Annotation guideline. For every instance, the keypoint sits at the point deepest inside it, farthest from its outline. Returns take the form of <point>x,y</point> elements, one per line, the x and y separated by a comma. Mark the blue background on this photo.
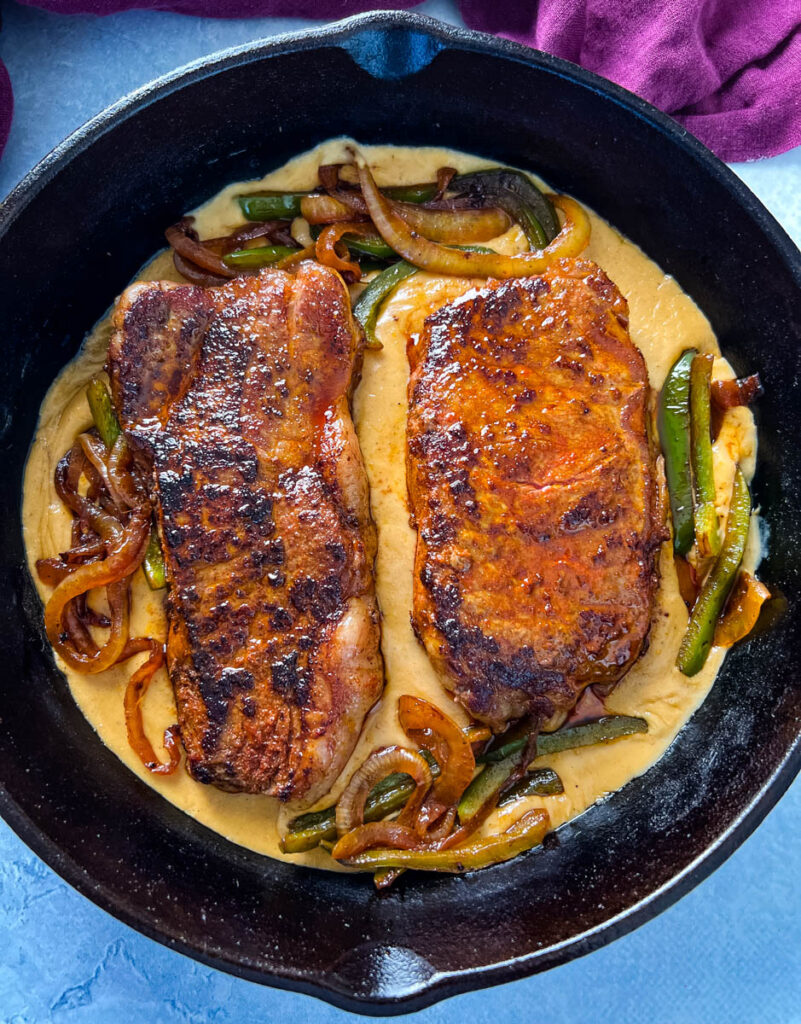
<point>729,951</point>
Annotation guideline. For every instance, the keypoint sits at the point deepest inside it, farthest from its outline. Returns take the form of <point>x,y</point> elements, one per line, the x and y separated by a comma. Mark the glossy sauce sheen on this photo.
<point>663,322</point>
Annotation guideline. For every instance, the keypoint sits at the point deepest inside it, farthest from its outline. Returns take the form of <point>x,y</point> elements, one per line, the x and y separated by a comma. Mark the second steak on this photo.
<point>532,488</point>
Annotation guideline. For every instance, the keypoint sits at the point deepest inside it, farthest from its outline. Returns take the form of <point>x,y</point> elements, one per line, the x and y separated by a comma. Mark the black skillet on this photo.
<point>76,230</point>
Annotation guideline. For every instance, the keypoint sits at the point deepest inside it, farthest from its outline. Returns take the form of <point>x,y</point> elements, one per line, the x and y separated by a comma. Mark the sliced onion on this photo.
<point>78,632</point>
<point>297,257</point>
<point>97,453</point>
<point>727,394</point>
<point>327,209</point>
<point>427,255</point>
<point>86,552</point>
<point>52,571</point>
<point>67,476</point>
<point>442,827</point>
<point>445,176</point>
<point>110,533</point>
<point>196,274</point>
<point>124,484</point>
<point>300,233</point>
<point>328,253</point>
<point>382,762</point>
<point>328,176</point>
<point>375,833</point>
<point>687,577</point>
<point>477,734</point>
<point>182,237</point>
<point>272,229</point>
<point>134,694</point>
<point>441,225</point>
<point>429,727</point>
<point>456,226</point>
<point>89,616</point>
<point>123,559</point>
<point>588,707</point>
<point>742,610</point>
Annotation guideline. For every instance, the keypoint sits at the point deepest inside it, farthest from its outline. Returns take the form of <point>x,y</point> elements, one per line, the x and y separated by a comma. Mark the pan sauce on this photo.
<point>663,322</point>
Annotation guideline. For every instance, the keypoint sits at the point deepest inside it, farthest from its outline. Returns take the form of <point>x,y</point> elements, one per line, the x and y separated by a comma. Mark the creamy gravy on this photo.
<point>663,322</point>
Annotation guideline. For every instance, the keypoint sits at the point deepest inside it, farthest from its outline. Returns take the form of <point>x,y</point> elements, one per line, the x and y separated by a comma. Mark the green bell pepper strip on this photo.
<point>368,245</point>
<point>540,782</point>
<point>480,853</point>
<point>286,205</point>
<point>412,193</point>
<point>518,196</point>
<point>485,785</point>
<point>707,529</point>
<point>105,419</point>
<point>500,763</point>
<point>153,563</point>
<point>108,426</point>
<point>389,795</point>
<point>369,303</point>
<point>258,256</point>
<point>376,247</point>
<point>710,602</point>
<point>369,265</point>
<point>602,730</point>
<point>674,434</point>
<point>271,205</point>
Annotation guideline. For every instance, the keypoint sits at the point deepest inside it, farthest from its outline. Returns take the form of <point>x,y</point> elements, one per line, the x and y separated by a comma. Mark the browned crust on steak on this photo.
<point>532,486</point>
<point>240,395</point>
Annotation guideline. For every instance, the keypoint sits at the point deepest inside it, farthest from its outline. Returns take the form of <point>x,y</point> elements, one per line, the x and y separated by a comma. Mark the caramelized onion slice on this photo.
<point>196,274</point>
<point>375,833</point>
<point>527,832</point>
<point>429,727</point>
<point>124,483</point>
<point>182,237</point>
<point>296,257</point>
<point>79,635</point>
<point>327,209</point>
<point>727,394</point>
<point>134,695</point>
<point>382,762</point>
<point>111,468</point>
<point>687,577</point>
<point>742,610</point>
<point>455,226</point>
<point>445,176</point>
<point>123,558</point>
<point>330,238</point>
<point>439,225</point>
<point>571,240</point>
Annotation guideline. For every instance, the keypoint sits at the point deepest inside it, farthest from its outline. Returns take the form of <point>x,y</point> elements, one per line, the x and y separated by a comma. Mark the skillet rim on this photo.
<point>445,984</point>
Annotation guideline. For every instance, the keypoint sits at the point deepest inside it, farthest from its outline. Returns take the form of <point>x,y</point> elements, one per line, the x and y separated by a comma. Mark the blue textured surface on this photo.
<point>728,952</point>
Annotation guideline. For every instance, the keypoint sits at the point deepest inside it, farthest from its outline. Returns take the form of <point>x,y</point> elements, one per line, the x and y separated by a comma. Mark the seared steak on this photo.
<point>239,395</point>
<point>532,488</point>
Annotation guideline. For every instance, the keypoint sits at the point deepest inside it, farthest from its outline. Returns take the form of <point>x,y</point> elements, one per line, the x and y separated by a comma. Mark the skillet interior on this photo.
<point>76,231</point>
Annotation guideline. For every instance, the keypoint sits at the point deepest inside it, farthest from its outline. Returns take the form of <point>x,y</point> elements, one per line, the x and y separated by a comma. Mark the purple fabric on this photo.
<point>728,70</point>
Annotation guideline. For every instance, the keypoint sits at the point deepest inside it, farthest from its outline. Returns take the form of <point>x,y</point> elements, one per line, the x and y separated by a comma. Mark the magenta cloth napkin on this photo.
<point>728,70</point>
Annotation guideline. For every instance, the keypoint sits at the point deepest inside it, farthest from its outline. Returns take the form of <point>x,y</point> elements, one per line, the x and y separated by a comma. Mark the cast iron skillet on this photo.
<point>73,234</point>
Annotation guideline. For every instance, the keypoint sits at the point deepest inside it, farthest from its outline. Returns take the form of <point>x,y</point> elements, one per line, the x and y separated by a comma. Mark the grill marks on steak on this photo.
<point>532,488</point>
<point>240,397</point>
